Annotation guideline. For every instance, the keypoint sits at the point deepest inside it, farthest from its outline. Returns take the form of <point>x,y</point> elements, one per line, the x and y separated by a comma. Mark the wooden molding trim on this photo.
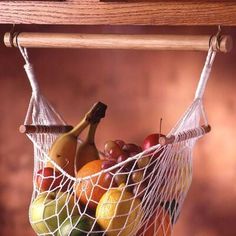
<point>94,12</point>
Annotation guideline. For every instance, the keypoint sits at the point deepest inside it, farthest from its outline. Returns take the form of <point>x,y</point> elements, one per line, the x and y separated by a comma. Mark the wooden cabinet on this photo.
<point>109,12</point>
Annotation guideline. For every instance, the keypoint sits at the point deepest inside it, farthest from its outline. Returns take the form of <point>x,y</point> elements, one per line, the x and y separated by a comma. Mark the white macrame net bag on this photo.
<point>153,210</point>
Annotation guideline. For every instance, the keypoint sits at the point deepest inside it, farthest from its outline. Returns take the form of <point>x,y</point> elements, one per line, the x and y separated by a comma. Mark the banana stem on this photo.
<point>94,115</point>
<point>91,133</point>
<point>79,128</point>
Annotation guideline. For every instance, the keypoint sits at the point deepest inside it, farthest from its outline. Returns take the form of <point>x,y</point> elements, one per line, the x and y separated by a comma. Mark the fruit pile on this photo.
<point>81,191</point>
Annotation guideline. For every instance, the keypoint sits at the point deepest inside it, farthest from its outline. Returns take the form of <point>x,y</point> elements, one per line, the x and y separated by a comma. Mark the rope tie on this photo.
<point>35,108</point>
<point>29,71</point>
<point>31,76</point>
<point>205,74</point>
<point>32,109</point>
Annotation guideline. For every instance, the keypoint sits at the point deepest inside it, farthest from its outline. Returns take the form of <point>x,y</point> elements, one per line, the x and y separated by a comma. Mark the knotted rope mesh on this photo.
<point>66,206</point>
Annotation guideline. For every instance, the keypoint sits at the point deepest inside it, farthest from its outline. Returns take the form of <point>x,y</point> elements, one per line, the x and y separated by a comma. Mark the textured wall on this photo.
<point>139,88</point>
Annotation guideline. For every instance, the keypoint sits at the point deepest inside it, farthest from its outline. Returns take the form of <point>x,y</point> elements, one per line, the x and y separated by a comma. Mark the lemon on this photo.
<point>118,212</point>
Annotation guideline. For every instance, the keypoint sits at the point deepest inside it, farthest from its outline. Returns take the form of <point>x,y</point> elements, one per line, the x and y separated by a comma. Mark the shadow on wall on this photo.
<point>139,88</point>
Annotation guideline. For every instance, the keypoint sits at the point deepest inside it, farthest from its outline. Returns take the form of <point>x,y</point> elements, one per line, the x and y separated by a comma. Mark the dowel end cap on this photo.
<point>22,129</point>
<point>6,39</point>
<point>162,141</point>
<point>227,43</point>
<point>10,39</point>
<point>224,44</point>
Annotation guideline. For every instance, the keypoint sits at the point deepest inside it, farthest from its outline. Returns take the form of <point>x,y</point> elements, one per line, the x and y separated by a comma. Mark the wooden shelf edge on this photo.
<point>100,13</point>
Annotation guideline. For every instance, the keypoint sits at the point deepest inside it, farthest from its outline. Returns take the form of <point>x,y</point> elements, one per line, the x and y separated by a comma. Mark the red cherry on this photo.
<point>151,140</point>
<point>49,179</point>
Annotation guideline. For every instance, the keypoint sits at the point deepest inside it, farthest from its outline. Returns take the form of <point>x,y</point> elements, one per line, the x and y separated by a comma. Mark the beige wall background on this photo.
<point>139,87</point>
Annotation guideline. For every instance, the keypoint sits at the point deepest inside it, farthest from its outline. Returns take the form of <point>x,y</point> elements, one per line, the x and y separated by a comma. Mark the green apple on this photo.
<point>78,226</point>
<point>49,210</point>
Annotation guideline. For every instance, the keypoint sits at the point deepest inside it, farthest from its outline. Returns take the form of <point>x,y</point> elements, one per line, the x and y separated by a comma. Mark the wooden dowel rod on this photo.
<point>185,135</point>
<point>118,41</point>
<point>45,128</point>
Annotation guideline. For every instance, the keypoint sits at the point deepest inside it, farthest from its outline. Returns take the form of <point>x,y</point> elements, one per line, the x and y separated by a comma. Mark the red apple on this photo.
<point>49,179</point>
<point>151,140</point>
<point>152,156</point>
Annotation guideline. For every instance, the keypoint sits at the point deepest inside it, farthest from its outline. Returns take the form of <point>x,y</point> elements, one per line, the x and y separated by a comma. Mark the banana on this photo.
<point>87,150</point>
<point>63,150</point>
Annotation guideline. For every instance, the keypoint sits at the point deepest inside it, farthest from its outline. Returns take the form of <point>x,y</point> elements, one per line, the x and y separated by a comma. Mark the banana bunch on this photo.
<point>67,153</point>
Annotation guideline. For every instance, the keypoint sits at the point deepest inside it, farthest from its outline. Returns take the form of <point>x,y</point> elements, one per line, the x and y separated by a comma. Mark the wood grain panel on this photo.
<point>94,12</point>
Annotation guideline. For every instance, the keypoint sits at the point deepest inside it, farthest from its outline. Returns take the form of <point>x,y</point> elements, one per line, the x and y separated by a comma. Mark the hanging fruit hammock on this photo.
<point>76,192</point>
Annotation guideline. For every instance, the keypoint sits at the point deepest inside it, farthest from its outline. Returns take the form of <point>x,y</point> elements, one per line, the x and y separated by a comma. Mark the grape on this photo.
<point>109,179</point>
<point>139,190</point>
<point>130,147</point>
<point>137,176</point>
<point>143,161</point>
<point>132,154</point>
<point>120,178</point>
<point>129,165</point>
<point>123,170</point>
<point>108,164</point>
<point>112,150</point>
<point>122,157</point>
<point>121,143</point>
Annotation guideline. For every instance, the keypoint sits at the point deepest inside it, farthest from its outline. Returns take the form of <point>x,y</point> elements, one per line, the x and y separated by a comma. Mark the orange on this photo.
<point>90,191</point>
<point>158,225</point>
